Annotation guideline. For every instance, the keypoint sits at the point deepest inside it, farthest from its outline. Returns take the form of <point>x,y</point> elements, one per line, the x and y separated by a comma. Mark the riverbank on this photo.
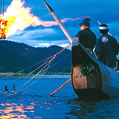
<point>58,75</point>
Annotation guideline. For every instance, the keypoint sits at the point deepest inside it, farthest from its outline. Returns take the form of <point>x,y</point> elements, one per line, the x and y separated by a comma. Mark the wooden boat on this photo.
<point>100,82</point>
<point>97,80</point>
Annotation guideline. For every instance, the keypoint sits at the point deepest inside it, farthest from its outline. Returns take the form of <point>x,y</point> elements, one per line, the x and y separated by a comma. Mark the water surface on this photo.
<point>32,101</point>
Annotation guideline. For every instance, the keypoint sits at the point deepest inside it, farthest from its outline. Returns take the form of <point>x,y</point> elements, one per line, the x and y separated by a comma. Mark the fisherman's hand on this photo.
<point>75,41</point>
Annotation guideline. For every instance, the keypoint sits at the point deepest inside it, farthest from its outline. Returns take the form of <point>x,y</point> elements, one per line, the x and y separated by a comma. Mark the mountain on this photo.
<point>11,61</point>
<point>21,55</point>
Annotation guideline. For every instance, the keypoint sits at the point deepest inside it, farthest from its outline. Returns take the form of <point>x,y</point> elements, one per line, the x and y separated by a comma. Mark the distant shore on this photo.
<point>56,76</point>
<point>42,76</point>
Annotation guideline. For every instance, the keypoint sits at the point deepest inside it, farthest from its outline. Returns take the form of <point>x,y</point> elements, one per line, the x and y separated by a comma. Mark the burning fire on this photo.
<point>18,17</point>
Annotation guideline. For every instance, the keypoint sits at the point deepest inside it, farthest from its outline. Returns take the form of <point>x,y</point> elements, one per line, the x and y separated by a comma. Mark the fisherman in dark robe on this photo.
<point>107,47</point>
<point>87,38</point>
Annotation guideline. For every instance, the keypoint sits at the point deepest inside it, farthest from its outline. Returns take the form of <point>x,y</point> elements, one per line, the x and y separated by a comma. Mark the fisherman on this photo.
<point>86,37</point>
<point>106,47</point>
<point>6,89</point>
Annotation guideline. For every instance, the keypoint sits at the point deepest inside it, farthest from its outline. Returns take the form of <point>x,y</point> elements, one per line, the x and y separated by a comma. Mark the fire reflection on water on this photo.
<point>13,110</point>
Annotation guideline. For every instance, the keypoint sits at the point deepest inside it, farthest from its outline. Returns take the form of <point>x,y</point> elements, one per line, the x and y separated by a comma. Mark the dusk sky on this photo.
<point>104,11</point>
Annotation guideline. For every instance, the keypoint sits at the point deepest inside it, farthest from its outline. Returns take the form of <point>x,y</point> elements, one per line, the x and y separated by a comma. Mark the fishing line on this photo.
<point>32,72</point>
<point>26,74</point>
<point>43,70</point>
<point>35,80</point>
<point>35,64</point>
<point>8,82</point>
<point>33,77</point>
<point>26,68</point>
<point>44,73</point>
<point>60,60</point>
<point>38,63</point>
<point>32,82</point>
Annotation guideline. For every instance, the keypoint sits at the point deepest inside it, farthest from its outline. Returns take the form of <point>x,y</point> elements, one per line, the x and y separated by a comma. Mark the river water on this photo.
<point>32,101</point>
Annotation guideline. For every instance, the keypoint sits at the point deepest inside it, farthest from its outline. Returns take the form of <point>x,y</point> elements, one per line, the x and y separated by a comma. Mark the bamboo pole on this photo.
<point>60,87</point>
<point>108,32</point>
<point>64,31</point>
<point>59,22</point>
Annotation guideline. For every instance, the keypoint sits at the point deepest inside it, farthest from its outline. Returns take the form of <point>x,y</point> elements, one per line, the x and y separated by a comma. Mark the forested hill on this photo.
<point>16,56</point>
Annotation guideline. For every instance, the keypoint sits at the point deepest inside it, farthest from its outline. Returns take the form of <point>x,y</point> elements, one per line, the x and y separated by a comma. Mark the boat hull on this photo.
<point>91,93</point>
<point>102,82</point>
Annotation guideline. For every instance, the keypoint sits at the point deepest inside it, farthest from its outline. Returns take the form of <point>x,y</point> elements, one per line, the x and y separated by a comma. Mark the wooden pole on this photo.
<point>60,87</point>
<point>108,32</point>
<point>59,22</point>
<point>64,31</point>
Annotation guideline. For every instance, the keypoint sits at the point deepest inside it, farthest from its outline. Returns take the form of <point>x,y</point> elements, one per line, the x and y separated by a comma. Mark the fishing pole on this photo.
<point>64,31</point>
<point>108,32</point>
<point>60,87</point>
<point>59,22</point>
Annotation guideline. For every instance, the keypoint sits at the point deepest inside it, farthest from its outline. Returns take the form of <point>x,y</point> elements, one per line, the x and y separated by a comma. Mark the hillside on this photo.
<point>11,61</point>
<point>22,55</point>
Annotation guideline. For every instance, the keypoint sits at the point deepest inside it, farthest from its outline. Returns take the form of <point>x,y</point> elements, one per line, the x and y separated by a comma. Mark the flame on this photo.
<point>18,17</point>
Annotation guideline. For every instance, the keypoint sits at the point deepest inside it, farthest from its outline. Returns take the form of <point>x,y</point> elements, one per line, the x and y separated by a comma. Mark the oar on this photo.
<point>60,87</point>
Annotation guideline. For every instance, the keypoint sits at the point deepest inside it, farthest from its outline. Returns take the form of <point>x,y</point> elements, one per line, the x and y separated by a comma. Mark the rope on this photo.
<point>36,64</point>
<point>35,81</point>
<point>60,60</point>
<point>48,64</point>
<point>38,74</point>
<point>35,76</point>
<point>45,66</point>
<point>27,68</point>
<point>32,77</point>
<point>30,72</point>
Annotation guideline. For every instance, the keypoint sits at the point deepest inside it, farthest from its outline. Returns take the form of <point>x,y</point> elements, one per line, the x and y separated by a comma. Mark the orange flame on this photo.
<point>18,17</point>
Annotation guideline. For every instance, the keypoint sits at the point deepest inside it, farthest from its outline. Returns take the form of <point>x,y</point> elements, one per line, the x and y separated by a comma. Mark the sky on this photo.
<point>104,11</point>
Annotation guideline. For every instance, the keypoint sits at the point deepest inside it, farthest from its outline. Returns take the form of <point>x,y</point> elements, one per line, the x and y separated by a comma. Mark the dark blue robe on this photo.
<point>106,50</point>
<point>87,38</point>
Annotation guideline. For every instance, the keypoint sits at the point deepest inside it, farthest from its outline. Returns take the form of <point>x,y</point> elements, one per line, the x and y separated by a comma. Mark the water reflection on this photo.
<point>13,110</point>
<point>82,108</point>
<point>23,109</point>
